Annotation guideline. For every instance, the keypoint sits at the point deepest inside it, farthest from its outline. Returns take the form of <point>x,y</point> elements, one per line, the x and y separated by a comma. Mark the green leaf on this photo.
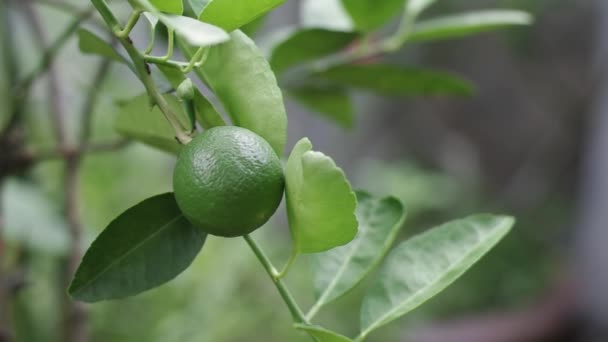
<point>148,125</point>
<point>169,6</point>
<point>206,114</point>
<point>466,24</point>
<point>232,14</point>
<point>194,32</point>
<point>333,103</point>
<point>243,81</point>
<point>89,43</point>
<point>326,14</point>
<point>251,28</point>
<point>145,247</point>
<point>320,202</point>
<point>369,15</point>
<point>425,265</point>
<point>341,269</point>
<point>174,75</point>
<point>322,334</point>
<point>306,45</point>
<point>395,80</point>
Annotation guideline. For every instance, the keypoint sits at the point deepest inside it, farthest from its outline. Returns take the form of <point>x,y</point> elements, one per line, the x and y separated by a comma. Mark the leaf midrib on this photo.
<point>128,252</point>
<point>389,313</point>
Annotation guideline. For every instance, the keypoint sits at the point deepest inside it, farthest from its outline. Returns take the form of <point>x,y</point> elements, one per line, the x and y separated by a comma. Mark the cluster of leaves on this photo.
<point>347,234</point>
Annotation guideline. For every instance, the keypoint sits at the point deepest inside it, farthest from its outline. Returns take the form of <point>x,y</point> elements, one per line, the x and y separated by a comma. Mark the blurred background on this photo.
<point>532,142</point>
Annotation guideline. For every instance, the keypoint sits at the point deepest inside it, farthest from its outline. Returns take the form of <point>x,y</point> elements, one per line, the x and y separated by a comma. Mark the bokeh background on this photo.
<point>532,142</point>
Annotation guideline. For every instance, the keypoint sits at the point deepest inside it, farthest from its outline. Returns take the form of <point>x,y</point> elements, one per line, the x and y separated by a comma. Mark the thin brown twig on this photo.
<point>5,331</point>
<point>75,314</point>
<point>91,101</point>
<point>8,135</point>
<point>75,318</point>
<point>11,70</point>
<point>63,153</point>
<point>54,90</point>
<point>76,325</point>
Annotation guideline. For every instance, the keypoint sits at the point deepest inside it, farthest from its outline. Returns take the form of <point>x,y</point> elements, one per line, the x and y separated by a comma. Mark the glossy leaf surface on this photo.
<point>423,266</point>
<point>339,270</point>
<point>146,246</point>
<point>320,202</point>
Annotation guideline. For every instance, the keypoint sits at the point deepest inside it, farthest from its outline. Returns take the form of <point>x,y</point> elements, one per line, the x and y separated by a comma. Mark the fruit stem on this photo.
<point>294,309</point>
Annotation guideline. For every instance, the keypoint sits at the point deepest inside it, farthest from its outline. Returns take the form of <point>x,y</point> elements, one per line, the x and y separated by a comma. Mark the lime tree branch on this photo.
<point>74,315</point>
<point>91,100</point>
<point>142,69</point>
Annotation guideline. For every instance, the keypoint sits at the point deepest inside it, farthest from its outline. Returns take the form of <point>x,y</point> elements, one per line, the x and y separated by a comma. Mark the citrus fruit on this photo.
<point>228,181</point>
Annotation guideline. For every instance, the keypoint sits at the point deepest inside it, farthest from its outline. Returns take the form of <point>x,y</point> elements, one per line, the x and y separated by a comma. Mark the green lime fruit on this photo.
<point>228,181</point>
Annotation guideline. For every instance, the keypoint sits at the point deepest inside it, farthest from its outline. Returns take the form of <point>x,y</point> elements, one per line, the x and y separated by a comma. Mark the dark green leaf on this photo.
<point>174,75</point>
<point>397,80</point>
<point>206,114</point>
<point>243,81</point>
<point>254,26</point>
<point>148,125</point>
<point>369,15</point>
<point>341,269</point>
<point>232,14</point>
<point>145,247</point>
<point>333,103</point>
<point>425,265</point>
<point>320,202</point>
<point>322,334</point>
<point>89,43</point>
<point>306,45</point>
<point>462,25</point>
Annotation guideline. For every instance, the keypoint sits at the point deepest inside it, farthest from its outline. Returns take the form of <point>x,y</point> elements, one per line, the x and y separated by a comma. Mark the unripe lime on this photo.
<point>228,181</point>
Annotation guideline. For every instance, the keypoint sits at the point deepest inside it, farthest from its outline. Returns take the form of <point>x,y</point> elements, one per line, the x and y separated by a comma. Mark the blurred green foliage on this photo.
<point>225,296</point>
